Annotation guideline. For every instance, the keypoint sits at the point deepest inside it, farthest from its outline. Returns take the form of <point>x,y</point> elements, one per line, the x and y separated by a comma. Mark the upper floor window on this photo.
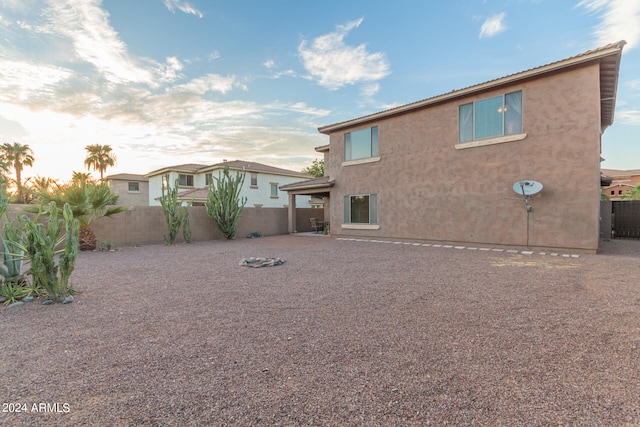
<point>361,144</point>
<point>491,117</point>
<point>208,179</point>
<point>134,187</point>
<point>185,180</point>
<point>274,189</point>
<point>254,179</point>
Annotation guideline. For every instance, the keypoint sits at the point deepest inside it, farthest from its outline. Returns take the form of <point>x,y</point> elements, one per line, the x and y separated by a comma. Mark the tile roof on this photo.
<point>254,167</point>
<point>186,167</point>
<point>618,172</point>
<point>233,165</point>
<point>608,56</point>
<point>197,194</point>
<point>127,177</point>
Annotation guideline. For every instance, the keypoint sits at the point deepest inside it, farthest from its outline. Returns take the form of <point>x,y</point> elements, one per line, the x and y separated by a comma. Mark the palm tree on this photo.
<point>80,177</point>
<point>88,201</point>
<point>99,157</point>
<point>40,184</point>
<point>18,156</point>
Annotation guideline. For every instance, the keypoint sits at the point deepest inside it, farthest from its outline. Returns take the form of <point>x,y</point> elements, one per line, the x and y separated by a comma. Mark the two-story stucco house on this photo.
<point>261,185</point>
<point>621,181</point>
<point>132,189</point>
<point>443,169</point>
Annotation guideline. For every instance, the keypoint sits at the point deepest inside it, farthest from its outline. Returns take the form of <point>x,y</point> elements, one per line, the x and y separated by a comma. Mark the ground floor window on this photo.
<point>361,209</point>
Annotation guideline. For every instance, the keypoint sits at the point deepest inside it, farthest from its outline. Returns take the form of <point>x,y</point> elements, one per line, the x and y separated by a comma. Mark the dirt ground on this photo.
<point>345,333</point>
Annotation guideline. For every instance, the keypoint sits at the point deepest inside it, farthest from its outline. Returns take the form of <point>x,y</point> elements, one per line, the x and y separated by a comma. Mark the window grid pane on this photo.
<point>374,141</point>
<point>488,117</point>
<point>513,113</point>
<point>185,180</point>
<point>360,209</point>
<point>465,122</point>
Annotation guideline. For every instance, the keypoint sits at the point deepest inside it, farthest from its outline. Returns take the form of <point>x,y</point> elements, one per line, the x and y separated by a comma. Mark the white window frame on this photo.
<point>274,185</point>
<point>129,190</point>
<point>504,136</point>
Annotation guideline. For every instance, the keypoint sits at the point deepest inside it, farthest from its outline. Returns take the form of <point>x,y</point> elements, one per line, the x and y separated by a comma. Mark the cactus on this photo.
<point>224,204</point>
<point>186,225</point>
<point>173,215</point>
<point>41,246</point>
<point>67,261</point>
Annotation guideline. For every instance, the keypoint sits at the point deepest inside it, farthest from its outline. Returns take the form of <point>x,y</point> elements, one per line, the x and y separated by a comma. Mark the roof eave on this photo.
<point>533,73</point>
<point>293,187</point>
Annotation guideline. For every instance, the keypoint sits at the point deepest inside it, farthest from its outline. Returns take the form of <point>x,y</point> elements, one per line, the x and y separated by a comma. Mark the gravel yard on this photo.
<point>345,333</point>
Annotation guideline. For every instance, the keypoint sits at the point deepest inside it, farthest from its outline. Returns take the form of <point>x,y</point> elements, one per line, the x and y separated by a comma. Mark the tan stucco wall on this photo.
<point>146,224</point>
<point>128,198</point>
<point>429,190</point>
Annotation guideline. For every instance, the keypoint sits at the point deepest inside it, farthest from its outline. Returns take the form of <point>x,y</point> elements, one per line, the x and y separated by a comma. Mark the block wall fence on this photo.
<point>146,225</point>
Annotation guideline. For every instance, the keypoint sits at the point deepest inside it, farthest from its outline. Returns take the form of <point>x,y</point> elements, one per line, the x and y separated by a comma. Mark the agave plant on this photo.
<point>13,251</point>
<point>88,201</point>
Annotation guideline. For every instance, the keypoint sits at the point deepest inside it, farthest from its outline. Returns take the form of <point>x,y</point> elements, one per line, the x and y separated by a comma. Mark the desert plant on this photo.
<point>174,213</point>
<point>107,245</point>
<point>88,202</point>
<point>13,251</point>
<point>186,225</point>
<point>41,246</point>
<point>224,204</point>
<point>13,292</point>
<point>12,244</point>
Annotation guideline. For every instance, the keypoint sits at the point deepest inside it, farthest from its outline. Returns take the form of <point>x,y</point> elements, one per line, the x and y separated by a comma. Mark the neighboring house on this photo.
<point>132,189</point>
<point>261,185</point>
<point>443,169</point>
<point>621,181</point>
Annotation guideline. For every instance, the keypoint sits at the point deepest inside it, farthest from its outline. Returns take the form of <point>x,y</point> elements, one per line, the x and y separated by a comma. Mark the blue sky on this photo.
<point>166,82</point>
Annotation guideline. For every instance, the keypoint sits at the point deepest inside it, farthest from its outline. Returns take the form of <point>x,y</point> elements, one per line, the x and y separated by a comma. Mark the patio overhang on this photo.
<point>319,187</point>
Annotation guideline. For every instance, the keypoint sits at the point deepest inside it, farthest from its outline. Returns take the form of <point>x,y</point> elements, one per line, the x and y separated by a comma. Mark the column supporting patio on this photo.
<point>292,213</point>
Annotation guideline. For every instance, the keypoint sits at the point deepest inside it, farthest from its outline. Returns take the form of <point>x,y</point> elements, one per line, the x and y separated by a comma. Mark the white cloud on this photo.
<point>620,20</point>
<point>172,69</point>
<point>493,25</point>
<point>182,6</point>
<point>335,64</point>
<point>269,63</point>
<point>21,80</point>
<point>628,117</point>
<point>86,24</point>
<point>207,83</point>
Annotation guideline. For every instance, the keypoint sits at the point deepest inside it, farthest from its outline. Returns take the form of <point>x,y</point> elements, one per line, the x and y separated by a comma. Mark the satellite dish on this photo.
<point>527,188</point>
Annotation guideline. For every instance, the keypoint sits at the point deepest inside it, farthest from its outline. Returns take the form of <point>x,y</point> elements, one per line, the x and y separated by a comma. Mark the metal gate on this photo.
<point>626,218</point>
